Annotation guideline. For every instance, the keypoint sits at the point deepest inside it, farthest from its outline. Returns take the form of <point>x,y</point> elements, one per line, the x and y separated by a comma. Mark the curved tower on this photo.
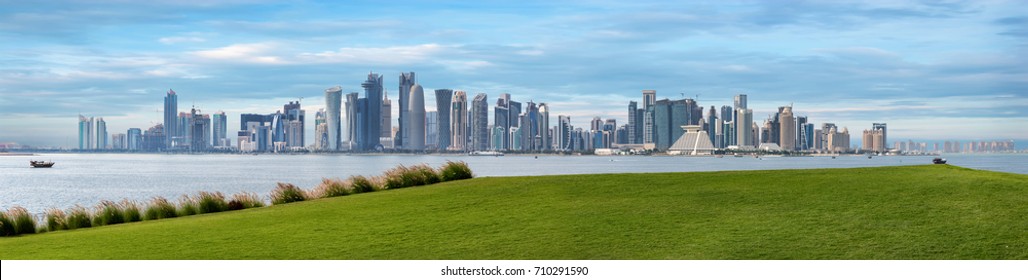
<point>416,113</point>
<point>333,99</point>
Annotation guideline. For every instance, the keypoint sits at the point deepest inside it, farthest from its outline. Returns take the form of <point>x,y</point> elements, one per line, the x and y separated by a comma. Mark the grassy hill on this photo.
<point>910,212</point>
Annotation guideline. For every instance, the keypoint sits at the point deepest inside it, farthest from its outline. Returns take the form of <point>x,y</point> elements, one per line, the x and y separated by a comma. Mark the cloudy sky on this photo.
<point>930,69</point>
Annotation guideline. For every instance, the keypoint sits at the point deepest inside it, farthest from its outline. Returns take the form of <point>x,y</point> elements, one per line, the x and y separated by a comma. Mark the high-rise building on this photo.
<point>838,141</point>
<point>711,123</point>
<point>321,130</point>
<point>727,113</point>
<point>135,139</point>
<point>459,121</point>
<point>744,132</point>
<point>183,135</point>
<point>293,113</point>
<point>349,137</point>
<point>118,141</point>
<point>101,134</point>
<point>371,116</point>
<point>496,137</point>
<point>170,128</point>
<point>480,123</point>
<point>504,117</point>
<point>86,133</point>
<point>563,133</point>
<point>432,130</point>
<point>740,101</point>
<point>649,99</point>
<point>544,127</point>
<point>885,135</point>
<point>199,130</point>
<point>407,80</point>
<point>632,108</point>
<point>387,117</point>
<point>416,117</point>
<point>154,139</point>
<point>788,129</point>
<point>220,129</point>
<point>443,97</point>
<point>333,101</point>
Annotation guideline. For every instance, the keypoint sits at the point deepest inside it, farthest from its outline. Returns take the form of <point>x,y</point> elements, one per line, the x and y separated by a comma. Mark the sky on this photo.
<point>930,69</point>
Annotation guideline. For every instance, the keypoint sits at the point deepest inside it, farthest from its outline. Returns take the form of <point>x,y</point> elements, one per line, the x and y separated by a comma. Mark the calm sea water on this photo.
<point>86,179</point>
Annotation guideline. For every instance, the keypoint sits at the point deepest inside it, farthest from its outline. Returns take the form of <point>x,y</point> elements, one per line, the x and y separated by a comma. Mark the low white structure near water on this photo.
<point>695,141</point>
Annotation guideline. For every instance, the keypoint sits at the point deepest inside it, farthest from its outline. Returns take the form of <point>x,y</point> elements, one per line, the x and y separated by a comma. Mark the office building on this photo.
<point>369,114</point>
<point>349,138</point>
<point>787,135</point>
<point>199,130</point>
<point>170,128</point>
<point>86,133</point>
<point>480,123</point>
<point>544,128</point>
<point>333,121</point>
<point>293,113</point>
<point>386,132</point>
<point>632,108</point>
<point>321,130</point>
<point>563,131</point>
<point>154,139</point>
<point>459,121</point>
<point>101,134</point>
<point>432,130</point>
<point>219,127</point>
<point>135,139</point>
<point>407,81</point>
<point>649,99</point>
<point>416,119</point>
<point>744,130</point>
<point>443,99</point>
<point>118,141</point>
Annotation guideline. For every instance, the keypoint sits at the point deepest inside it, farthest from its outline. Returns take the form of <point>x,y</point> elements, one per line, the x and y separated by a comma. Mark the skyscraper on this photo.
<point>86,138</point>
<point>220,129</point>
<point>459,121</point>
<point>333,100</point>
<point>387,117</point>
<point>632,107</point>
<point>293,113</point>
<point>170,117</point>
<point>407,80</point>
<point>744,130</point>
<point>502,119</point>
<point>321,130</point>
<point>649,99</point>
<point>101,134</point>
<point>349,138</point>
<point>480,123</point>
<point>416,116</point>
<point>740,101</point>
<point>135,139</point>
<point>788,129</point>
<point>200,130</point>
<point>443,98</point>
<point>711,123</point>
<point>371,117</point>
<point>544,127</point>
<point>432,130</point>
<point>885,135</point>
<point>564,131</point>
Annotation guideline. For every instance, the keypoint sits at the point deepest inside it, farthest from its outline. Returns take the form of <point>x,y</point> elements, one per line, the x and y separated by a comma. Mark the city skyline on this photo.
<point>852,64</point>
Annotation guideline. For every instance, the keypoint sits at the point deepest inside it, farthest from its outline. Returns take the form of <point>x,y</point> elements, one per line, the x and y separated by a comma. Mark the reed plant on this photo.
<point>210,202</point>
<point>287,193</point>
<point>245,200</point>
<point>361,184</point>
<point>187,206</point>
<point>108,213</point>
<point>78,217</point>
<point>331,188</point>
<point>56,220</point>
<point>425,174</point>
<point>131,210</point>
<point>6,225</point>
<point>160,208</point>
<point>458,170</point>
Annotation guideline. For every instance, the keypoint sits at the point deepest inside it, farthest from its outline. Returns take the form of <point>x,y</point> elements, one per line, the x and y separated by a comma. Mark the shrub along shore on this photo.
<point>17,220</point>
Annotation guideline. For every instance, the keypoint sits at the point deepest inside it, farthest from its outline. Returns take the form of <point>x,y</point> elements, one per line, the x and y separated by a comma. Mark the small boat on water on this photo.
<point>939,161</point>
<point>41,164</point>
<point>487,153</point>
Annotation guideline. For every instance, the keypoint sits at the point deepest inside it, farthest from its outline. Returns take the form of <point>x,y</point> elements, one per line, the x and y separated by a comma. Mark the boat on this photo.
<point>939,161</point>
<point>42,164</point>
<point>487,153</point>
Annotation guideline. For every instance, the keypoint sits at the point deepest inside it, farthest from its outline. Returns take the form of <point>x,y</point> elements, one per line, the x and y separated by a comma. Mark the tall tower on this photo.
<point>372,116</point>
<point>101,134</point>
<point>349,134</point>
<point>416,114</point>
<point>333,101</point>
<point>480,123</point>
<point>788,129</point>
<point>744,130</point>
<point>544,127</point>
<point>170,117</point>
<point>649,99</point>
<point>502,121</point>
<point>407,80</point>
<point>632,107</point>
<point>220,129</point>
<point>885,135</point>
<point>443,97</point>
<point>86,133</point>
<point>459,121</point>
<point>564,133</point>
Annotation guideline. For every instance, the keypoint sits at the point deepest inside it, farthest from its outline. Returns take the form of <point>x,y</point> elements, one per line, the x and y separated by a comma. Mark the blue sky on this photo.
<point>930,69</point>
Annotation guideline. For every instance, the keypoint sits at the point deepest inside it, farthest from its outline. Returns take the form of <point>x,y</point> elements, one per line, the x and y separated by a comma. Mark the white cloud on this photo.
<point>246,53</point>
<point>396,55</point>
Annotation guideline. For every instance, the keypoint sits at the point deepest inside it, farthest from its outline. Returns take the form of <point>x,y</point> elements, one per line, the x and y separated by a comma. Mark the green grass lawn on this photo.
<point>911,212</point>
